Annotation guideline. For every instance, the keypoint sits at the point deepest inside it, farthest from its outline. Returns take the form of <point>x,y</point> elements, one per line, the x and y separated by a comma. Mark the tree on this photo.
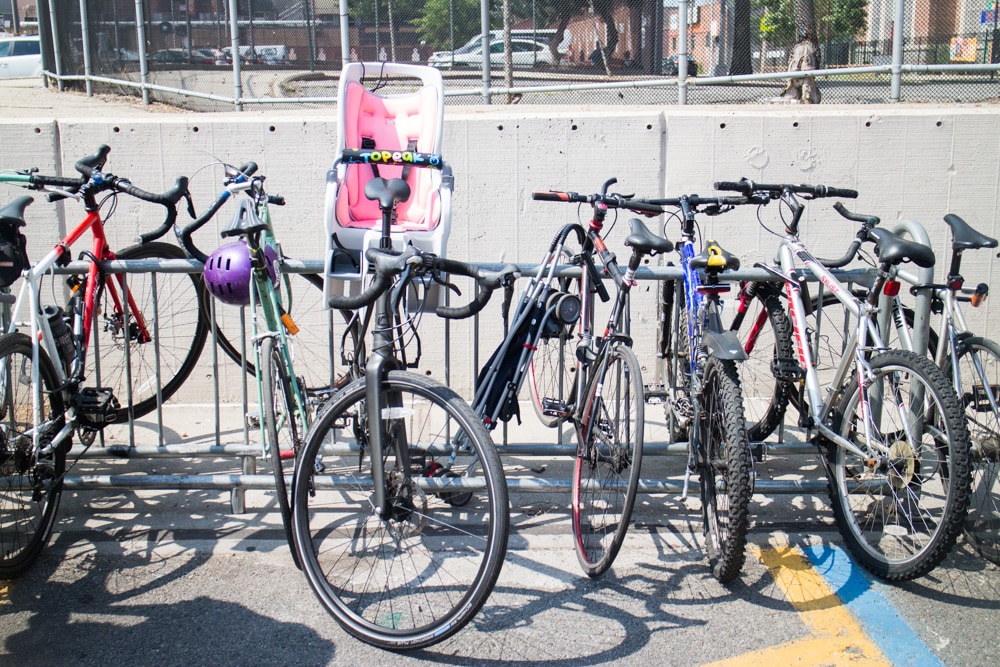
<point>435,24</point>
<point>847,19</point>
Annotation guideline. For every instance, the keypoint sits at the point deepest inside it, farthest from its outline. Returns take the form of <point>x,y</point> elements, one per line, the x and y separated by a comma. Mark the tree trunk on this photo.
<point>742,33</point>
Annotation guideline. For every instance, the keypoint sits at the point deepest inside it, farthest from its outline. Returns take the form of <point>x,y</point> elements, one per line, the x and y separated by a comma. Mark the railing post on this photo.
<point>140,32</point>
<point>345,35</point>
<point>897,52</point>
<point>55,44</point>
<point>85,30</point>
<point>484,20</point>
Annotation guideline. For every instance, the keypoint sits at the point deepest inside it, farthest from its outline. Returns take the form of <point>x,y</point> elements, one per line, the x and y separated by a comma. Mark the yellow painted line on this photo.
<point>4,598</point>
<point>836,636</point>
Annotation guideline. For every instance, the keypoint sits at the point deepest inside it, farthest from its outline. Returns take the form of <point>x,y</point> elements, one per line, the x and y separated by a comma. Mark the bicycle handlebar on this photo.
<point>388,265</point>
<point>775,190</point>
<point>642,206</point>
<point>184,233</point>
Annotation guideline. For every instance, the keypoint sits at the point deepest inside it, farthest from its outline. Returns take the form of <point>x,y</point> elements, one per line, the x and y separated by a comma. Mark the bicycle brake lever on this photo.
<point>190,205</point>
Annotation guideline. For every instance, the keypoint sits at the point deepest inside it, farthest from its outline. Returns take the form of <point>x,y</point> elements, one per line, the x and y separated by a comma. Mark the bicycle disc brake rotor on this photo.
<point>408,513</point>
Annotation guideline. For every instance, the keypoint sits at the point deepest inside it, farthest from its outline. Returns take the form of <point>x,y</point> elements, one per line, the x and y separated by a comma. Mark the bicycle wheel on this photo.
<point>724,469</point>
<point>899,514</point>
<point>312,347</point>
<point>30,486</point>
<point>676,366</point>
<point>980,398</point>
<point>415,574</point>
<point>606,476</point>
<point>282,427</point>
<point>552,373</point>
<point>176,325</point>
<point>766,334</point>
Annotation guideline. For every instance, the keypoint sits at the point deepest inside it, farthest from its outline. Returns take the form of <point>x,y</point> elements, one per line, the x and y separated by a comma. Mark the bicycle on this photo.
<point>890,426</point>
<point>45,376</point>
<point>973,364</point>
<point>248,273</point>
<point>599,392</point>
<point>703,388</point>
<point>402,550</point>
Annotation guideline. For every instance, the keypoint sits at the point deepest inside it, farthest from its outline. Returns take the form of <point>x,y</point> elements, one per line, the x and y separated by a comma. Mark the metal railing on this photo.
<point>246,451</point>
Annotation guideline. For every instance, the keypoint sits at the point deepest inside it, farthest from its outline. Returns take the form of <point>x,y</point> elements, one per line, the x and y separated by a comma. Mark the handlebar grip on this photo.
<point>552,195</point>
<point>640,206</point>
<point>852,250</point>
<point>87,165</point>
<point>399,157</point>
<point>855,217</point>
<point>168,198</point>
<point>277,200</point>
<point>842,192</point>
<point>57,181</point>
<point>735,186</point>
<point>248,169</point>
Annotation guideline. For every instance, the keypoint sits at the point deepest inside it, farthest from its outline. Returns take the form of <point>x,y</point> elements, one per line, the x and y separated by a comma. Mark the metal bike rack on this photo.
<point>247,451</point>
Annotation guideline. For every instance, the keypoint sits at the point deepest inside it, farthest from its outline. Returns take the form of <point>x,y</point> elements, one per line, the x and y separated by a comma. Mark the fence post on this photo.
<point>234,32</point>
<point>897,52</point>
<point>85,30</point>
<point>345,36</point>
<point>484,21</point>
<point>140,37</point>
<point>55,44</point>
<point>682,49</point>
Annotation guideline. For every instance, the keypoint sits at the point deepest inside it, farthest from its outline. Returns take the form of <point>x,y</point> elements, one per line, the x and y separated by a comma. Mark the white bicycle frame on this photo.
<point>864,338</point>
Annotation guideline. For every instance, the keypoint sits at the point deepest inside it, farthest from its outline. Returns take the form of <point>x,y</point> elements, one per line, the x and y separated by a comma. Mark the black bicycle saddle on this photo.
<point>964,237</point>
<point>895,250</point>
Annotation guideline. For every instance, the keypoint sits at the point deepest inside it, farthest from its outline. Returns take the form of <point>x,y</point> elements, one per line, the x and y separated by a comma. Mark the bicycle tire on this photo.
<point>900,521</point>
<point>724,469</point>
<point>181,331</point>
<point>313,345</point>
<point>606,474</point>
<point>281,428</point>
<point>766,335</point>
<point>26,520</point>
<point>982,525</point>
<point>417,577</point>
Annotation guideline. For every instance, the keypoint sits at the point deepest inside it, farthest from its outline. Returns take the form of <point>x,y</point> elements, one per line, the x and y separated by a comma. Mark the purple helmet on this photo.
<point>228,272</point>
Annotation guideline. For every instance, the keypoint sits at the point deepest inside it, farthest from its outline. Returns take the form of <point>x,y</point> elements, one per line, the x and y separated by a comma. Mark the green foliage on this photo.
<point>847,19</point>
<point>777,23</point>
<point>433,26</point>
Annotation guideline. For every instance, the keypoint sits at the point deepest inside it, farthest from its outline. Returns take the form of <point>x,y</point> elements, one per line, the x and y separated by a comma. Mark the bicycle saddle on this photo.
<point>715,259</point>
<point>13,213</point>
<point>895,250</point>
<point>245,222</point>
<point>646,242</point>
<point>964,237</point>
<point>387,191</point>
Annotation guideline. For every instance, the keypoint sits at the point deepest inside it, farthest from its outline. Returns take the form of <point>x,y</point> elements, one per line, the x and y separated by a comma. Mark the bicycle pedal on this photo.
<point>787,369</point>
<point>552,407</point>
<point>253,420</point>
<point>96,406</point>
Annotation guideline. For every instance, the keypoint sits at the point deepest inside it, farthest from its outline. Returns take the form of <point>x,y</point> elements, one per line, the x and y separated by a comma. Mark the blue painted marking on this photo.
<point>894,637</point>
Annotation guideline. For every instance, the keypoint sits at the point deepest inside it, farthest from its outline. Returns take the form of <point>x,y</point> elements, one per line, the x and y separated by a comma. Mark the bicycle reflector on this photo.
<point>891,288</point>
<point>982,291</point>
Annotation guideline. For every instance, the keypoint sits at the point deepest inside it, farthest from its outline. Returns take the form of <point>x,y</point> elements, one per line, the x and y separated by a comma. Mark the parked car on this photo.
<point>670,66</point>
<point>524,53</point>
<point>20,57</point>
<point>170,57</point>
<point>207,56</point>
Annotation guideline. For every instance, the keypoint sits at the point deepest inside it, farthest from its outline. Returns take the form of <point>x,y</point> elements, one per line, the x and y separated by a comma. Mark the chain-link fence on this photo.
<point>539,51</point>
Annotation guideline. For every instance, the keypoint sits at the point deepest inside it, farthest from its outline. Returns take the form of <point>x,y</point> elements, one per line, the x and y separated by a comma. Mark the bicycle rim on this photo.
<point>419,575</point>
<point>900,514</point>
<point>551,374</point>
<point>606,475</point>
<point>176,324</point>
<point>979,371</point>
<point>25,519</point>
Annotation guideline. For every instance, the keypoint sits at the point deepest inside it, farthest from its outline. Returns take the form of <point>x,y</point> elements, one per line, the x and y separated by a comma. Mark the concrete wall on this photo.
<point>916,162</point>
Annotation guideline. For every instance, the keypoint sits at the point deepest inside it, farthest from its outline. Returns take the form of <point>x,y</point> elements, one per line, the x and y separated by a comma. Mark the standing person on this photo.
<point>805,56</point>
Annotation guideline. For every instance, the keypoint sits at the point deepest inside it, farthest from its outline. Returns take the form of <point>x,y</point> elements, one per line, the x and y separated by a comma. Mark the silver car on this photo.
<point>524,53</point>
<point>20,57</point>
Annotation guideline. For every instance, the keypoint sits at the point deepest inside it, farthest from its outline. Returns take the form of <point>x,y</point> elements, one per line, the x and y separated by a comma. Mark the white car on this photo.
<point>524,53</point>
<point>20,57</point>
